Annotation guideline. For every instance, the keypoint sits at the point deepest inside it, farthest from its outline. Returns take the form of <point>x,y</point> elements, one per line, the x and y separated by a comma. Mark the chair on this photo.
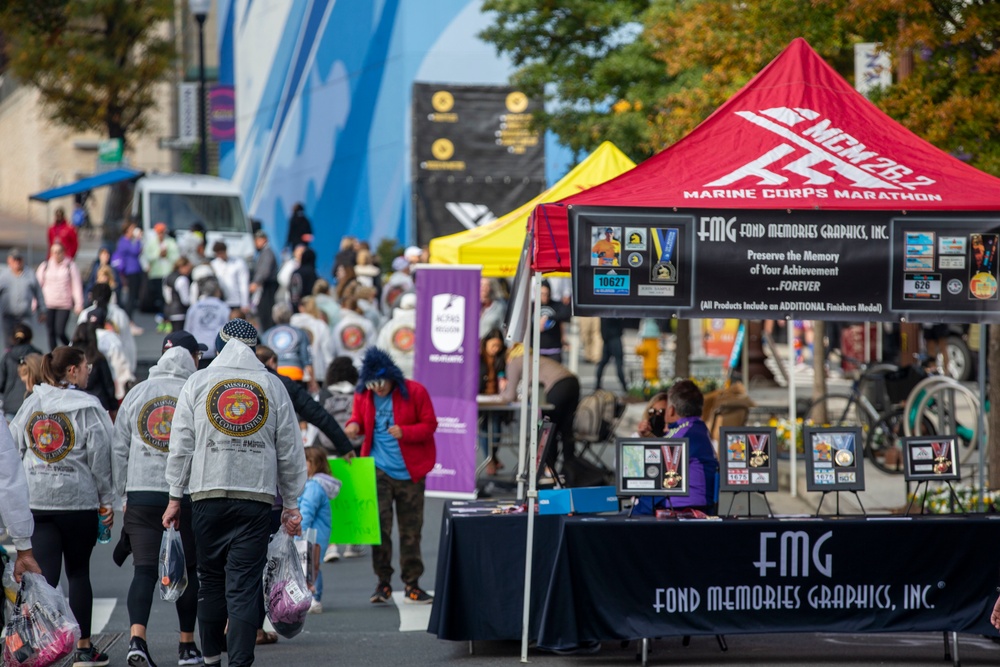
<point>726,407</point>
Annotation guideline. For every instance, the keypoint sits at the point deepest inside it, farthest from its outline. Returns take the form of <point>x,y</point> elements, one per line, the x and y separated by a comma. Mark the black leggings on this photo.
<point>55,323</point>
<point>564,396</point>
<point>68,537</point>
<point>142,524</point>
<point>133,283</point>
<point>612,350</point>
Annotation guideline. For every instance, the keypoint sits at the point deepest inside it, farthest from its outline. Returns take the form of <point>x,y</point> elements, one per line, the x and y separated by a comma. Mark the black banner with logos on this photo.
<point>448,205</point>
<point>760,264</point>
<point>616,579</point>
<point>475,155</point>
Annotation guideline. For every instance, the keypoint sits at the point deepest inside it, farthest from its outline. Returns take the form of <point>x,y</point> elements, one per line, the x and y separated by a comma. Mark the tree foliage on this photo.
<point>644,73</point>
<point>584,57</point>
<point>95,62</point>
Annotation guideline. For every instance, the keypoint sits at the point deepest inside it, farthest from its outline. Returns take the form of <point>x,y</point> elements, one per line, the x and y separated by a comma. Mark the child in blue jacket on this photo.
<point>314,504</point>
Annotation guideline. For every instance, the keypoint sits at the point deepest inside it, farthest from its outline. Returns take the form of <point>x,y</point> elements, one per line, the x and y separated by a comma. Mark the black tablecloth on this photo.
<point>605,578</point>
<point>479,586</point>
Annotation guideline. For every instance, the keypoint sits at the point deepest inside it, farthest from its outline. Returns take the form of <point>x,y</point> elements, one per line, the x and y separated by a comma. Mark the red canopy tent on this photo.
<point>797,136</point>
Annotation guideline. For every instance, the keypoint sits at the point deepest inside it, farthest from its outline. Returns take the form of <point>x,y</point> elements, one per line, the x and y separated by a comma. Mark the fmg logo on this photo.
<point>792,553</point>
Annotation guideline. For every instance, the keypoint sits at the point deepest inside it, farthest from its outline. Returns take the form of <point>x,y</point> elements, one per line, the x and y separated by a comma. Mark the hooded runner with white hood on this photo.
<point>64,437</point>
<point>139,453</point>
<point>234,440</point>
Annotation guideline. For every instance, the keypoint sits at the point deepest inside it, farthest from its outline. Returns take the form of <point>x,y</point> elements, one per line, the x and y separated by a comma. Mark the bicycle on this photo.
<point>881,420</point>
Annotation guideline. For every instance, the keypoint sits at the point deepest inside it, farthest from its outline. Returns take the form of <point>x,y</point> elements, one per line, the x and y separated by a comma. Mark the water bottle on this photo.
<point>103,531</point>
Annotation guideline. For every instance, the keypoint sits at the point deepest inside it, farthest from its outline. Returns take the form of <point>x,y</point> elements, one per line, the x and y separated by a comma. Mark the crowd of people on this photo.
<point>291,373</point>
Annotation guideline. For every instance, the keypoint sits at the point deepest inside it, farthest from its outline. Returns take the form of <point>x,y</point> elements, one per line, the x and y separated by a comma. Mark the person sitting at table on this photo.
<point>492,380</point>
<point>682,412</point>
<point>562,392</point>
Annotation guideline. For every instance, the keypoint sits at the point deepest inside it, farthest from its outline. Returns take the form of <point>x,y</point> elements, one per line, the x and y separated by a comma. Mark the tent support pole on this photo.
<point>868,345</point>
<point>745,356</point>
<point>573,363</point>
<point>792,417</point>
<point>981,417</point>
<point>536,311</point>
<point>522,436</point>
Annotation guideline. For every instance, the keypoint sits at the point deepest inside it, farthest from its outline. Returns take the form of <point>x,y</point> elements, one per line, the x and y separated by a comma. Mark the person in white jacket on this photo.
<point>354,332</point>
<point>233,276</point>
<point>64,437</point>
<point>110,345</point>
<point>15,507</point>
<point>139,455</point>
<point>233,441</point>
<point>116,315</point>
<point>397,336</point>
<point>312,320</point>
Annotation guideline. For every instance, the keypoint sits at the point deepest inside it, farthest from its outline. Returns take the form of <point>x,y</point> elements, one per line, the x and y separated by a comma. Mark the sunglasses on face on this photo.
<point>375,385</point>
<point>656,411</point>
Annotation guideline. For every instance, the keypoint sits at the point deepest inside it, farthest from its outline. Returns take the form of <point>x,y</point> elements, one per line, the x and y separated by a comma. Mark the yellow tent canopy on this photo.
<point>497,244</point>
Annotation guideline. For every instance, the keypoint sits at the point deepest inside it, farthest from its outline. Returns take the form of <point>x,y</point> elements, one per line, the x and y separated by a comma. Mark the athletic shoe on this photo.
<point>383,593</point>
<point>417,595</point>
<point>315,607</point>
<point>91,657</point>
<point>138,653</point>
<point>188,654</point>
<point>355,551</point>
<point>332,554</point>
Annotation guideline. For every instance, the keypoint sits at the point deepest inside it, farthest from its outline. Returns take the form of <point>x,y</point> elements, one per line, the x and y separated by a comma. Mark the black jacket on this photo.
<point>312,412</point>
<point>10,382</point>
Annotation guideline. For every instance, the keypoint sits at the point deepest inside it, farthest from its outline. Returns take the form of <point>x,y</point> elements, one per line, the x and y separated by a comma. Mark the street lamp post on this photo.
<point>199,9</point>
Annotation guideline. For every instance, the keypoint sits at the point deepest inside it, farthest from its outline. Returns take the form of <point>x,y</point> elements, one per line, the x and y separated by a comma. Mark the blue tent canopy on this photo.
<point>89,183</point>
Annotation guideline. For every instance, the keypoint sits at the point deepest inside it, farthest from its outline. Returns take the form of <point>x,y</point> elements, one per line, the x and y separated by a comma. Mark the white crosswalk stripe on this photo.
<point>412,617</point>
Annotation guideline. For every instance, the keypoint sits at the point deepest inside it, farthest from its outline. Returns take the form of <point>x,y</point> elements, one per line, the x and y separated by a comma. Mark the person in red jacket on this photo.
<point>397,420</point>
<point>63,233</point>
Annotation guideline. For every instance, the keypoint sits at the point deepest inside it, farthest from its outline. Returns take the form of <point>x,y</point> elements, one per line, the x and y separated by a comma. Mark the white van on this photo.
<point>180,200</point>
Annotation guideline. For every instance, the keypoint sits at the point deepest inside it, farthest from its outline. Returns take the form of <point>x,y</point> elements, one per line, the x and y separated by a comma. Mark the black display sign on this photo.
<point>448,204</point>
<point>763,264</point>
<point>834,459</point>
<point>931,458</point>
<point>475,156</point>
<point>748,459</point>
<point>651,466</point>
<point>891,574</point>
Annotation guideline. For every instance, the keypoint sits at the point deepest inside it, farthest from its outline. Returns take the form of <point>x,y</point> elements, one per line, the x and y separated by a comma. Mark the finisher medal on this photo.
<point>757,443</point>
<point>671,457</point>
<point>663,269</point>
<point>942,461</point>
<point>844,456</point>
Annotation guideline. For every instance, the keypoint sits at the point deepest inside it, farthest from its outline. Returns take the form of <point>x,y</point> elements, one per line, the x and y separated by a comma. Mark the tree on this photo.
<point>95,62</point>
<point>585,58</point>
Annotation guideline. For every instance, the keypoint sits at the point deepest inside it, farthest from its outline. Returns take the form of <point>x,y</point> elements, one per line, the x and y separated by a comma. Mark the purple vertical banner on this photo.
<point>447,363</point>
<point>222,113</point>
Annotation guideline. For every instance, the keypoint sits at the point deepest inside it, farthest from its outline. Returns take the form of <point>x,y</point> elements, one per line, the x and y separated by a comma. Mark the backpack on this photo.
<point>339,405</point>
<point>595,416</point>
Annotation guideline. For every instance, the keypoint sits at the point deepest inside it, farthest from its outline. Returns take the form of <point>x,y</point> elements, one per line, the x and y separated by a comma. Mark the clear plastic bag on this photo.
<point>286,593</point>
<point>173,567</point>
<point>42,630</point>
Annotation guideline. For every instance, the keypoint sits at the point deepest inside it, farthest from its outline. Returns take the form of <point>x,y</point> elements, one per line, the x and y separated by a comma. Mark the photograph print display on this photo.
<point>834,459</point>
<point>651,466</point>
<point>931,458</point>
<point>748,459</point>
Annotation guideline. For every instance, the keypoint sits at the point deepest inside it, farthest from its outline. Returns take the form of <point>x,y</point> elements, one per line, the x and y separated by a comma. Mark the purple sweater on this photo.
<point>125,258</point>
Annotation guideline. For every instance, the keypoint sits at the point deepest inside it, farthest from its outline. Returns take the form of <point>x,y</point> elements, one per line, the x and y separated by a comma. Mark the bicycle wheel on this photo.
<point>831,410</point>
<point>882,441</point>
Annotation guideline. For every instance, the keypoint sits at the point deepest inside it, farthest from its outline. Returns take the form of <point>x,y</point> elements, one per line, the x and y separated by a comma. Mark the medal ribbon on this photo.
<point>664,241</point>
<point>671,459</point>
<point>941,449</point>
<point>757,442</point>
<point>848,441</point>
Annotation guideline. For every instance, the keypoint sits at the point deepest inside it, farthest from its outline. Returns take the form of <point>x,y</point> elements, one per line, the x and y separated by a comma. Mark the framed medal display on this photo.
<point>747,459</point>
<point>931,458</point>
<point>834,459</point>
<point>651,466</point>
